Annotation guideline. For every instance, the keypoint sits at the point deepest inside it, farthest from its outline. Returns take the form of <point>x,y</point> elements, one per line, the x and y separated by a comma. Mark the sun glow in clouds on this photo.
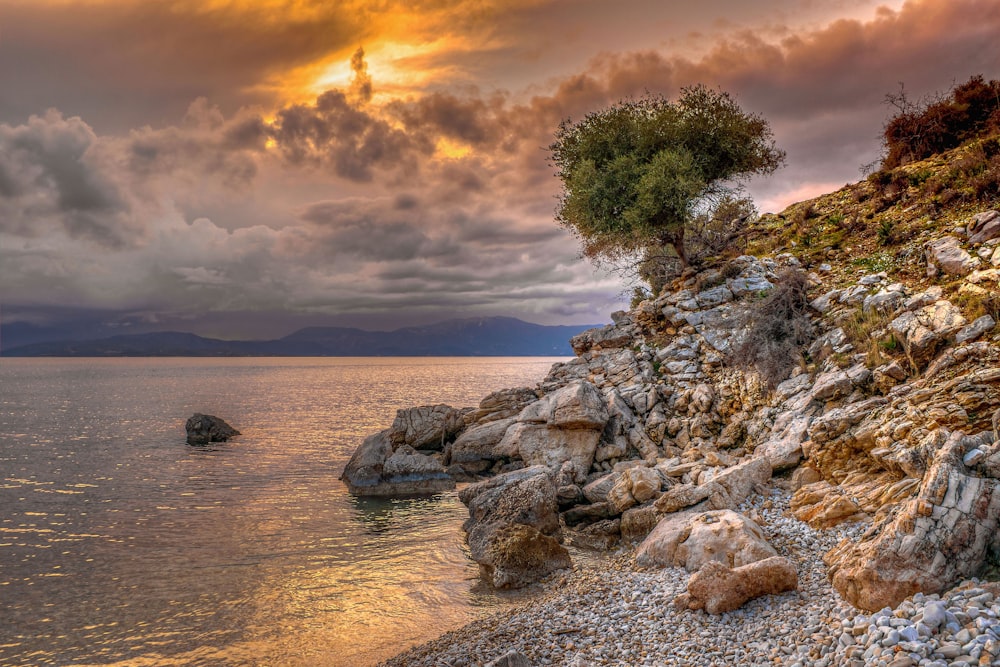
<point>398,68</point>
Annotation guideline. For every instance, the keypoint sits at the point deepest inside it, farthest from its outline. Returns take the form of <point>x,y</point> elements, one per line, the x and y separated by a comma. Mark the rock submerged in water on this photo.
<point>650,424</point>
<point>204,429</point>
<point>379,469</point>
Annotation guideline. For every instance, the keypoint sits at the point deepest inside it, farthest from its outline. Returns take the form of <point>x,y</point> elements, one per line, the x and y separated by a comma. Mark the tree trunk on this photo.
<point>679,249</point>
<point>676,241</point>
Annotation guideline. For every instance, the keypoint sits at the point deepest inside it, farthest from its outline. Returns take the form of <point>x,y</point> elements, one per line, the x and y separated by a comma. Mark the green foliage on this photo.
<point>868,332</point>
<point>885,232</point>
<point>635,174</point>
<point>639,294</point>
<point>919,130</point>
<point>879,261</point>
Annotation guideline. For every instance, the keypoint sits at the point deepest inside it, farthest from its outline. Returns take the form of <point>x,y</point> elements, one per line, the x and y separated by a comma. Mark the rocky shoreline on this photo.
<point>811,521</point>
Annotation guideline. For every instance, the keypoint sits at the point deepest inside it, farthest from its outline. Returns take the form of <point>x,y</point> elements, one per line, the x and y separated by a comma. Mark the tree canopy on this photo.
<point>635,173</point>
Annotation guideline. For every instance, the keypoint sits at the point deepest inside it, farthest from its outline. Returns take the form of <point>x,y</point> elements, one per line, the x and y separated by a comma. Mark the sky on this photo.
<point>242,168</point>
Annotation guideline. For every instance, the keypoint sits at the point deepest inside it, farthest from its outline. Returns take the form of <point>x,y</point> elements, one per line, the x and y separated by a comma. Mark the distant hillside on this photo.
<point>484,336</point>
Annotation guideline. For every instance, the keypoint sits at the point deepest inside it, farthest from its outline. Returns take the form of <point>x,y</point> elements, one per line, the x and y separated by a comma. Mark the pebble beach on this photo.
<point>609,612</point>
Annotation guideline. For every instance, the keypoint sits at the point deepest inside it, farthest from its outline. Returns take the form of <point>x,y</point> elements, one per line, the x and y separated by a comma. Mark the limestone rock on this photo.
<point>718,326</point>
<point>638,522</point>
<point>472,491</point>
<point>597,491</point>
<point>735,484</point>
<point>503,404</point>
<point>946,254</point>
<point>376,469</point>
<point>520,555</point>
<point>888,376</point>
<point>588,513</point>
<point>690,539</point>
<point>822,505</point>
<point>984,226</point>
<point>203,429</point>
<point>364,469</point>
<point>923,331</point>
<point>576,406</point>
<point>524,498</point>
<point>633,487</point>
<point>929,543</point>
<point>603,338</point>
<point>527,497</point>
<point>426,426</point>
<point>973,331</point>
<point>565,425</point>
<point>479,443</point>
<point>804,475</point>
<point>885,301</point>
<point>831,386</point>
<point>600,535</point>
<point>714,296</point>
<point>717,588</point>
<point>510,659</point>
<point>784,448</point>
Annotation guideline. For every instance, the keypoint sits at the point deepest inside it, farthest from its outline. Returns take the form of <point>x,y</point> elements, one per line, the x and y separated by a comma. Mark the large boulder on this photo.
<point>923,331</point>
<point>520,555</point>
<point>717,588</point>
<point>479,443</point>
<point>691,539</point>
<point>565,425</point>
<point>503,404</point>
<point>377,469</point>
<point>947,255</point>
<point>203,429</point>
<point>510,558</point>
<point>929,543</point>
<point>604,338</point>
<point>725,491</point>
<point>426,426</point>
<point>634,487</point>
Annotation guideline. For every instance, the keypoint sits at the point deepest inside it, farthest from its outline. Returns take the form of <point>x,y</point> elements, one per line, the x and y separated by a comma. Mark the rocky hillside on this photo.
<point>885,416</point>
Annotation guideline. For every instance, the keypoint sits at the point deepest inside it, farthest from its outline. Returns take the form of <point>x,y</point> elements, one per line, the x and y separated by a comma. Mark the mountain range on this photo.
<point>482,336</point>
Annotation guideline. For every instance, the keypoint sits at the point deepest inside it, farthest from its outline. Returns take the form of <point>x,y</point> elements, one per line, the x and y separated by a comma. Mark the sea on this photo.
<point>120,544</point>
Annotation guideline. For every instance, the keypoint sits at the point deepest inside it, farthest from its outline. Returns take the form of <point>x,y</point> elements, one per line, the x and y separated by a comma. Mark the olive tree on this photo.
<point>635,174</point>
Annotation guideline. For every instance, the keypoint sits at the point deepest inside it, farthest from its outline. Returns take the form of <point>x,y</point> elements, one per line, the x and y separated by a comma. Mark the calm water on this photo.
<point>120,544</point>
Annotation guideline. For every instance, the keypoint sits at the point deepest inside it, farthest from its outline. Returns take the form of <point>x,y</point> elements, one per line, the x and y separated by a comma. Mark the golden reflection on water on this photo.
<point>121,545</point>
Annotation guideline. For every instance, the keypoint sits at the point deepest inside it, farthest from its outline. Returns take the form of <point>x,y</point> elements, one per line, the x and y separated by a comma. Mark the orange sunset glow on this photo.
<point>240,165</point>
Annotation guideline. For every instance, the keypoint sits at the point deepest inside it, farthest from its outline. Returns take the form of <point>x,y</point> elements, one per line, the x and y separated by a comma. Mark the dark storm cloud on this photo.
<point>345,138</point>
<point>205,145</point>
<point>52,176</point>
<point>435,202</point>
<point>470,120</point>
<point>150,59</point>
<point>368,231</point>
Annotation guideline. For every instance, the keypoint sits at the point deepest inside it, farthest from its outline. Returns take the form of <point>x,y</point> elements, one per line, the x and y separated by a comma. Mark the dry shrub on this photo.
<point>777,329</point>
<point>976,304</point>
<point>919,130</point>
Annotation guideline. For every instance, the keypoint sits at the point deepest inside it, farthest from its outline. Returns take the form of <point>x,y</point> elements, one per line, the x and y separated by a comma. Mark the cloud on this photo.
<point>441,201</point>
<point>160,55</point>
<point>344,138</point>
<point>52,177</point>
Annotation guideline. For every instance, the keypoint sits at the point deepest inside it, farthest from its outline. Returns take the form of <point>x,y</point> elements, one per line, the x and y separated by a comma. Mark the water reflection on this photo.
<point>379,515</point>
<point>121,544</point>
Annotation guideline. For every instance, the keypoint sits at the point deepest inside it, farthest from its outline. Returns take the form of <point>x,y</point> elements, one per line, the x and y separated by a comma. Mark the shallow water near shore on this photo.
<point>120,544</point>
